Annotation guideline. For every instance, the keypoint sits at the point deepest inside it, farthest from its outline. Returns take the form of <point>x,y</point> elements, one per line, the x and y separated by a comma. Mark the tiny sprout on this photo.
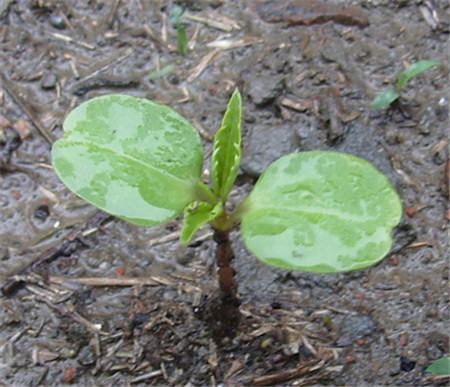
<point>384,99</point>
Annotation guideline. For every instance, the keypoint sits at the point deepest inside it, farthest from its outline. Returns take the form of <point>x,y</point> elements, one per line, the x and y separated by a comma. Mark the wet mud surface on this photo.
<point>307,75</point>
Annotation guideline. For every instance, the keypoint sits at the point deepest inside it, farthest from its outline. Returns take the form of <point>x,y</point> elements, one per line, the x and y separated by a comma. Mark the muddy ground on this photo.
<point>307,82</point>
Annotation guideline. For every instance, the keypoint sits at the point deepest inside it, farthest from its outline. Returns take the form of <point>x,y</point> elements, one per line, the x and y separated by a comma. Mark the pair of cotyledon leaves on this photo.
<point>141,161</point>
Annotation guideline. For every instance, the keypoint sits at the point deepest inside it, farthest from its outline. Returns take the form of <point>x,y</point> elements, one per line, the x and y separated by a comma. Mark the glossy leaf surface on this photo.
<point>384,99</point>
<point>196,215</point>
<point>321,212</point>
<point>414,70</point>
<point>130,157</point>
<point>440,366</point>
<point>227,149</point>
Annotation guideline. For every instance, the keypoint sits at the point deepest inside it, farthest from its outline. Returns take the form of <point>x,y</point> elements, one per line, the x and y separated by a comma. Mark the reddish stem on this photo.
<point>224,256</point>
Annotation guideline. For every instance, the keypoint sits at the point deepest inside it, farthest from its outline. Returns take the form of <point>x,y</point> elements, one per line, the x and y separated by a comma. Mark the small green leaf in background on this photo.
<point>182,39</point>
<point>227,148</point>
<point>384,99</point>
<point>196,215</point>
<point>176,13</point>
<point>162,72</point>
<point>176,17</point>
<point>322,212</point>
<point>414,70</point>
<point>130,157</point>
<point>440,367</point>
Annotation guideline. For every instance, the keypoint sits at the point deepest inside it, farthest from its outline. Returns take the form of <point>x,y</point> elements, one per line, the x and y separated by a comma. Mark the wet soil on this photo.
<point>312,73</point>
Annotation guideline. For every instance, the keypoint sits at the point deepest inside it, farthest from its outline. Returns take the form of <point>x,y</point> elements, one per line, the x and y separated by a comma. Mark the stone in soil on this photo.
<point>49,81</point>
<point>58,22</point>
<point>263,91</point>
<point>406,364</point>
<point>355,327</point>
<point>267,143</point>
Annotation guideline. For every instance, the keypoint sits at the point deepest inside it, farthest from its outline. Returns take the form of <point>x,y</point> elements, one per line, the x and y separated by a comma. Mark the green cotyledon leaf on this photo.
<point>227,149</point>
<point>196,215</point>
<point>130,157</point>
<point>321,212</point>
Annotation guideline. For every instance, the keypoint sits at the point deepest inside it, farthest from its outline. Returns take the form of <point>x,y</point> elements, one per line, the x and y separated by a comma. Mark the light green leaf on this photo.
<point>440,366</point>
<point>130,157</point>
<point>384,99</point>
<point>321,212</point>
<point>227,149</point>
<point>414,70</point>
<point>196,215</point>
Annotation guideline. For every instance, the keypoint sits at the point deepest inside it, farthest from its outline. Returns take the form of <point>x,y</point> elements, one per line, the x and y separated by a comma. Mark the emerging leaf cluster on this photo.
<point>384,99</point>
<point>312,211</point>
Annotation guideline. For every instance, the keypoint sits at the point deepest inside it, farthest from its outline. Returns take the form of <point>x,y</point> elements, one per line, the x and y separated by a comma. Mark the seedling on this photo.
<point>315,211</point>
<point>176,17</point>
<point>392,94</point>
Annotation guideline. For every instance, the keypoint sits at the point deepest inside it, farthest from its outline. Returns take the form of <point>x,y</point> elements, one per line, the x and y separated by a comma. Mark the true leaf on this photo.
<point>227,149</point>
<point>133,158</point>
<point>414,70</point>
<point>321,212</point>
<point>440,366</point>
<point>196,215</point>
<point>384,99</point>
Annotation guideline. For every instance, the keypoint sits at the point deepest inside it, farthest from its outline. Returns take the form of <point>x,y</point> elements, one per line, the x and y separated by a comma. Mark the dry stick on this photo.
<point>123,282</point>
<point>68,246</point>
<point>10,90</point>
<point>66,311</point>
<point>112,14</point>
<point>289,374</point>
<point>110,63</point>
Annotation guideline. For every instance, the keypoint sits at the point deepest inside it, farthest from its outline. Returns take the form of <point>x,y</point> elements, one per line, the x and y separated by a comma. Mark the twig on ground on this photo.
<point>149,375</point>
<point>21,102</point>
<point>112,13</point>
<point>69,244</point>
<point>203,64</point>
<point>215,21</point>
<point>69,39</point>
<point>124,282</point>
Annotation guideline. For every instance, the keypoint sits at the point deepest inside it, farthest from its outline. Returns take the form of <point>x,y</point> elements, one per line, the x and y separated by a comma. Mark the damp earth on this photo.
<point>91,300</point>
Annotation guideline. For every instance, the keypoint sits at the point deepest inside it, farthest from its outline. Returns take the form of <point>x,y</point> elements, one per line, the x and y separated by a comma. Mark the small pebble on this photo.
<point>86,357</point>
<point>69,375</point>
<point>104,266</point>
<point>350,358</point>
<point>406,364</point>
<point>23,128</point>
<point>394,261</point>
<point>42,213</point>
<point>4,122</point>
<point>58,22</point>
<point>49,81</point>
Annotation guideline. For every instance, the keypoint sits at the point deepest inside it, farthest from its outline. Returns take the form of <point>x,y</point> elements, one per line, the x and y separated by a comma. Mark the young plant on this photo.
<point>314,211</point>
<point>176,17</point>
<point>384,99</point>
